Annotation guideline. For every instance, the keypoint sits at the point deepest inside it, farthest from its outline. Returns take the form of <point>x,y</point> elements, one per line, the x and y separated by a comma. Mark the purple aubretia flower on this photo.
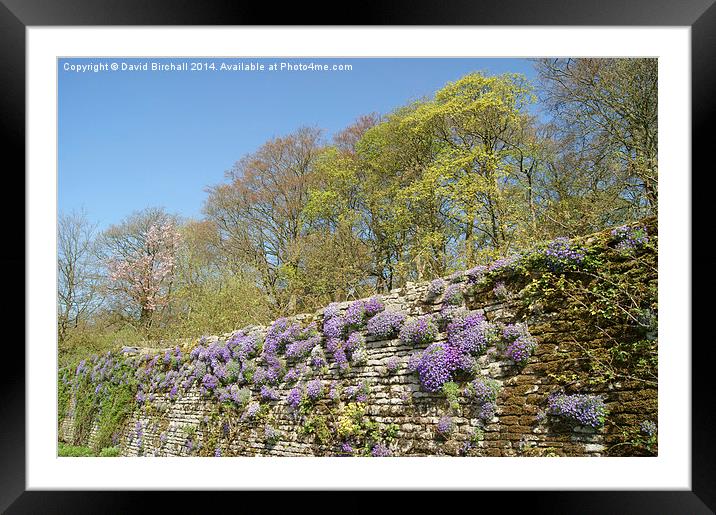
<point>355,314</point>
<point>380,451</point>
<point>331,311</point>
<point>417,331</point>
<point>503,264</point>
<point>251,410</point>
<point>487,411</point>
<point>445,425</point>
<point>587,410</point>
<point>386,324</point>
<point>433,367</point>
<point>483,389</point>
<point>392,364</point>
<point>314,389</point>
<point>453,295</point>
<point>373,306</point>
<point>475,274</point>
<point>435,288</point>
<point>334,327</point>
<point>648,427</point>
<point>268,393</point>
<point>469,333</point>
<point>295,396</point>
<point>518,343</point>
<point>630,239</point>
<point>563,255</point>
<point>271,435</point>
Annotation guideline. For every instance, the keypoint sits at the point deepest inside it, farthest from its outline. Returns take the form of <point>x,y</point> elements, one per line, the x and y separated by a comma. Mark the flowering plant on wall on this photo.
<point>630,239</point>
<point>563,255</point>
<point>418,331</point>
<point>517,343</point>
<point>585,409</point>
<point>386,324</point>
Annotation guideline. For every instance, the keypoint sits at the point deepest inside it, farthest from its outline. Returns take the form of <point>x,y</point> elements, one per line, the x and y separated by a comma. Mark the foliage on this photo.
<point>64,450</point>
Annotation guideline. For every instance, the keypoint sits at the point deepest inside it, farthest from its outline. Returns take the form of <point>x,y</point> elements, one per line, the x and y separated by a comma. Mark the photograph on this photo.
<point>357,257</point>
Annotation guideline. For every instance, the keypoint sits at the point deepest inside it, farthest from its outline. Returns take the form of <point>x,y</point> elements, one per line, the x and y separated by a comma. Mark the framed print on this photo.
<point>271,254</point>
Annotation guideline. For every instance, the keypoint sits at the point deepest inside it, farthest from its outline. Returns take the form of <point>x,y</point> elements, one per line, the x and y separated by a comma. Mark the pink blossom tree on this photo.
<point>144,275</point>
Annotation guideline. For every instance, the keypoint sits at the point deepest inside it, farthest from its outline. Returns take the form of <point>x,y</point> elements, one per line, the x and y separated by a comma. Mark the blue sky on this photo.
<point>135,139</point>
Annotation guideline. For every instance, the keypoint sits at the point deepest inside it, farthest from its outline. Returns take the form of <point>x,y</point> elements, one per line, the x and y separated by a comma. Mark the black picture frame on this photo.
<point>17,15</point>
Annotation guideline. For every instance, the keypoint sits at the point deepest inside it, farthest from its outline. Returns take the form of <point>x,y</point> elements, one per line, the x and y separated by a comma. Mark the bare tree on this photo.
<point>77,271</point>
<point>259,212</point>
<point>610,106</point>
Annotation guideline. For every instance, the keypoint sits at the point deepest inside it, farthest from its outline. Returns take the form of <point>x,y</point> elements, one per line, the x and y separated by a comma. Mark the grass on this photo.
<point>79,451</point>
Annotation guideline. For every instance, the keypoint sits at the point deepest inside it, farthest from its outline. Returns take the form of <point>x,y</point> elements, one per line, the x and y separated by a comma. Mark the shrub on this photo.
<point>73,451</point>
<point>483,390</point>
<point>109,452</point>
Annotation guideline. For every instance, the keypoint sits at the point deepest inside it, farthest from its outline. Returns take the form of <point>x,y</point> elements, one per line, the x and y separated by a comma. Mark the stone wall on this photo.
<point>192,425</point>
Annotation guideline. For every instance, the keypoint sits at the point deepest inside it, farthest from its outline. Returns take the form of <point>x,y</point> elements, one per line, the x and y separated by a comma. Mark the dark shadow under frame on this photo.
<point>16,15</point>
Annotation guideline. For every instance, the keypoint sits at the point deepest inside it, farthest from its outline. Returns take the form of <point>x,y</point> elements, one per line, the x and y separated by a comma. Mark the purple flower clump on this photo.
<point>380,451</point>
<point>301,348</point>
<point>331,311</point>
<point>358,393</point>
<point>355,314</point>
<point>519,344</point>
<point>373,306</point>
<point>445,425</point>
<point>562,255</point>
<point>475,274</point>
<point>435,288</point>
<point>483,389</point>
<point>392,364</point>
<point>334,327</point>
<point>318,357</point>
<point>268,393</point>
<point>469,333</point>
<point>354,341</point>
<point>417,331</point>
<point>434,367</point>
<point>487,411</point>
<point>630,238</point>
<point>251,410</point>
<point>504,264</point>
<point>271,435</point>
<point>386,324</point>
<point>648,428</point>
<point>314,389</point>
<point>453,295</point>
<point>295,396</point>
<point>280,334</point>
<point>587,410</point>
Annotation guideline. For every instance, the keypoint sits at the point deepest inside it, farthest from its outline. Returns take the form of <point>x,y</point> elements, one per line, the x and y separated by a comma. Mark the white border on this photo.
<point>671,470</point>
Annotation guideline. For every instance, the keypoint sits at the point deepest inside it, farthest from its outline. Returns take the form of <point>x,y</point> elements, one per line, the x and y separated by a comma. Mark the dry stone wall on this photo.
<point>521,426</point>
